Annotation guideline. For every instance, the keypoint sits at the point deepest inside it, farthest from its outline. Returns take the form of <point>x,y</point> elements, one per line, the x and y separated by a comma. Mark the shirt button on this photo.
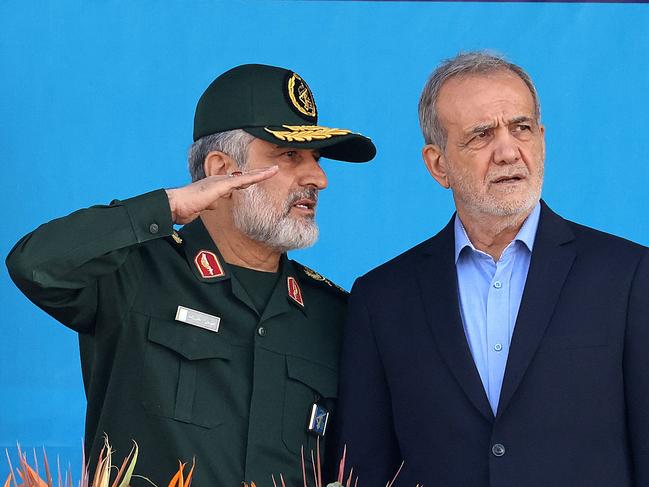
<point>153,228</point>
<point>498,284</point>
<point>498,347</point>
<point>261,331</point>
<point>498,450</point>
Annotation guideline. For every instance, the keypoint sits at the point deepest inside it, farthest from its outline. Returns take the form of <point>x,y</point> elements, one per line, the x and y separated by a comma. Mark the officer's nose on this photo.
<point>312,173</point>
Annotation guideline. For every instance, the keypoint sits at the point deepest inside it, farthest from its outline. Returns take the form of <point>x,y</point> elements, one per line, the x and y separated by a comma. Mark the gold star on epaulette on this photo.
<point>176,237</point>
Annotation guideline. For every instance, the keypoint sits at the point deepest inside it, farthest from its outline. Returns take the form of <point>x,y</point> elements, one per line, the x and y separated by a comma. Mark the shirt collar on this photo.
<point>526,234</point>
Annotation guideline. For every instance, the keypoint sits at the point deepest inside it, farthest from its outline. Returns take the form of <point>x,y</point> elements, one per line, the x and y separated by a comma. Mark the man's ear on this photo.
<point>218,163</point>
<point>436,164</point>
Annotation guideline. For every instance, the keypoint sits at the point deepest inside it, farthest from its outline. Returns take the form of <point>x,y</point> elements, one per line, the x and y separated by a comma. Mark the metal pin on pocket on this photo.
<point>318,420</point>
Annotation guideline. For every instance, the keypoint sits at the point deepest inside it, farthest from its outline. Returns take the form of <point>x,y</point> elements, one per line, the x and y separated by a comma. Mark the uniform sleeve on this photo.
<point>636,372</point>
<point>364,415</point>
<point>58,265</point>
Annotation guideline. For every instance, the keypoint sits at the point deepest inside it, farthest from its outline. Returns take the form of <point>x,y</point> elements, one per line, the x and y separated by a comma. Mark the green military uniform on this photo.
<point>238,399</point>
<point>175,352</point>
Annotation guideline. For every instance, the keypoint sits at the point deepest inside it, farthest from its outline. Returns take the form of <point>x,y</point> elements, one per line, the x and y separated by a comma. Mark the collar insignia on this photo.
<point>208,265</point>
<point>301,96</point>
<point>294,291</point>
<point>176,237</point>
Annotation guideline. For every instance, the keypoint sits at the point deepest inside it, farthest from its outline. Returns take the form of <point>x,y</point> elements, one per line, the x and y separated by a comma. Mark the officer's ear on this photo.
<point>218,163</point>
<point>436,164</point>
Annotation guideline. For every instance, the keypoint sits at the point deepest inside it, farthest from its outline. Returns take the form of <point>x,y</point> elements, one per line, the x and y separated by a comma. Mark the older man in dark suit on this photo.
<point>509,350</point>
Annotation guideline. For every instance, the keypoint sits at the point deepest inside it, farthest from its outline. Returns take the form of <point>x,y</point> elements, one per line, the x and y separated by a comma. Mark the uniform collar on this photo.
<point>203,256</point>
<point>290,286</point>
<point>208,266</point>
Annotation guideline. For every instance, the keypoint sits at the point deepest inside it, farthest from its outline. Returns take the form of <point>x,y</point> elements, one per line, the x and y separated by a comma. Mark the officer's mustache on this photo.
<point>305,194</point>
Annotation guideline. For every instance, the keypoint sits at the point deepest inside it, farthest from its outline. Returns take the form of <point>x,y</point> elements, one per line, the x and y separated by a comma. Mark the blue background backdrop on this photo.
<point>97,101</point>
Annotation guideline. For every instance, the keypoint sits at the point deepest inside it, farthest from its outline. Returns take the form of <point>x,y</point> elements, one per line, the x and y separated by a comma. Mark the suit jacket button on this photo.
<point>498,450</point>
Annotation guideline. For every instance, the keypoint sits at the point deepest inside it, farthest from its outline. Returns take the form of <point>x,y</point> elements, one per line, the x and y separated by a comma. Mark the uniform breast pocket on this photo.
<point>307,382</point>
<point>186,373</point>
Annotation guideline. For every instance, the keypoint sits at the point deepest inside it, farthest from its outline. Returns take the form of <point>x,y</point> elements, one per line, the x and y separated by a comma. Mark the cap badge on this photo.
<point>301,96</point>
<point>208,265</point>
<point>306,133</point>
<point>294,291</point>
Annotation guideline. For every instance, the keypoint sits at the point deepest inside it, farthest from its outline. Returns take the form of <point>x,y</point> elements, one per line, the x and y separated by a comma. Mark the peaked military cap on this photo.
<point>275,105</point>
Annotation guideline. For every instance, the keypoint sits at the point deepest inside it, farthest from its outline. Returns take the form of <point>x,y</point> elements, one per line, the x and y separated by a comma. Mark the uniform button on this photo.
<point>153,228</point>
<point>261,331</point>
<point>498,347</point>
<point>498,284</point>
<point>498,450</point>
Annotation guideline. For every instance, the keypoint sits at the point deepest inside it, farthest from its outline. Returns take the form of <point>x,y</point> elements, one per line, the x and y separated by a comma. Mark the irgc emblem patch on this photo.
<point>208,265</point>
<point>301,96</point>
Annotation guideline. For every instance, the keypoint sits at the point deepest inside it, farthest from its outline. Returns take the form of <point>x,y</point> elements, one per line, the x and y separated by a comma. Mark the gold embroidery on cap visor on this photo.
<point>301,96</point>
<point>306,133</point>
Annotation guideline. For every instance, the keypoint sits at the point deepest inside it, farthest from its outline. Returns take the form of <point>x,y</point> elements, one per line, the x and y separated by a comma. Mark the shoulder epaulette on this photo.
<point>316,276</point>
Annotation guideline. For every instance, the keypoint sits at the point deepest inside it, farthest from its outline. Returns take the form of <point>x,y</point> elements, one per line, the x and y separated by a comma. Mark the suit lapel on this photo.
<point>552,258</point>
<point>437,280</point>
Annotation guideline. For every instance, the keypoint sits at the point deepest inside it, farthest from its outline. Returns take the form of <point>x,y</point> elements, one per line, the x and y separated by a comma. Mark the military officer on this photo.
<point>208,342</point>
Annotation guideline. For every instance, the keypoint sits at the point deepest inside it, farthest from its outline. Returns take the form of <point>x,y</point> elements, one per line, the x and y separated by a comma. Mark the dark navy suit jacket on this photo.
<point>574,406</point>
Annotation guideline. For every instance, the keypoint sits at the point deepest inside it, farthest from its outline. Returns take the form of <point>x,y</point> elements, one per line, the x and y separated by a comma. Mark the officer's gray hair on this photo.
<point>232,142</point>
<point>478,62</point>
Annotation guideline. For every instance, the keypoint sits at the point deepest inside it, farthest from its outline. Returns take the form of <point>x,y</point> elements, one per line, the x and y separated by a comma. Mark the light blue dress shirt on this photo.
<point>490,295</point>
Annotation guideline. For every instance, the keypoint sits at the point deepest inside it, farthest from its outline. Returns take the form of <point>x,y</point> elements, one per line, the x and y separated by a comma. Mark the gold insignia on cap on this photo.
<point>301,96</point>
<point>306,133</point>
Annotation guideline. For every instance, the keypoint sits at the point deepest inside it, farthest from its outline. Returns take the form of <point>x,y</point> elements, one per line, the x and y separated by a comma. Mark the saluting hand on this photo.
<point>187,202</point>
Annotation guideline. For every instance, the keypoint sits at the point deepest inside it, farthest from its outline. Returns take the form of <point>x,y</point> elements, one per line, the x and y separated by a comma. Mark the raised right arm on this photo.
<point>58,265</point>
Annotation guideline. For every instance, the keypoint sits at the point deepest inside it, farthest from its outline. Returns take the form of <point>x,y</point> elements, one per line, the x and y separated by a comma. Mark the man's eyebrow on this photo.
<point>520,119</point>
<point>481,128</point>
<point>489,125</point>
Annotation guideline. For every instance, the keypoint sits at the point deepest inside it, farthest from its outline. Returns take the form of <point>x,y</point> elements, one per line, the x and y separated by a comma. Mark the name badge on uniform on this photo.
<point>318,420</point>
<point>197,318</point>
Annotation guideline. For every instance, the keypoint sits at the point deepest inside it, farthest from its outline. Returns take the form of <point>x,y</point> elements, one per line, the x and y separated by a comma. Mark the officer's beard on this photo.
<point>257,215</point>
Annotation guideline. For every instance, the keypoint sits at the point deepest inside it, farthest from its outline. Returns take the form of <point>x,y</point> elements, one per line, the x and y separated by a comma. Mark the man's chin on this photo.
<point>515,208</point>
<point>294,234</point>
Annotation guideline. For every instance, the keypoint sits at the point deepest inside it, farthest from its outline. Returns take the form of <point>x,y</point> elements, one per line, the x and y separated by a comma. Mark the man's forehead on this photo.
<point>481,97</point>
